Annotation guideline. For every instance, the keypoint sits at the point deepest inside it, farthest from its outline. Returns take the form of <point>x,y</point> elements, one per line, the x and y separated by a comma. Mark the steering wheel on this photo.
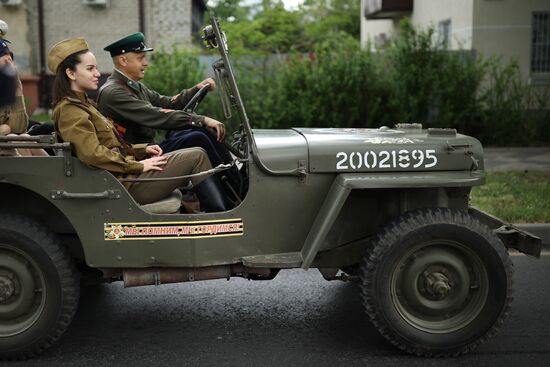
<point>194,102</point>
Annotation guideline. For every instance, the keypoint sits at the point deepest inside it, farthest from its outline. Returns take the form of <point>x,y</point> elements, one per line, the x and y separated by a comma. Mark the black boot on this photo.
<point>211,195</point>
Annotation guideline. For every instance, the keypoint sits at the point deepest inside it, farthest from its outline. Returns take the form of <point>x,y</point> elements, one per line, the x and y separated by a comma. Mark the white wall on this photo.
<point>372,29</point>
<point>16,17</point>
<point>430,12</point>
<point>503,27</point>
<point>100,26</point>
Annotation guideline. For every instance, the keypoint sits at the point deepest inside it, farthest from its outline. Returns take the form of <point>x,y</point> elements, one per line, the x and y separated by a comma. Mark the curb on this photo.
<point>541,230</point>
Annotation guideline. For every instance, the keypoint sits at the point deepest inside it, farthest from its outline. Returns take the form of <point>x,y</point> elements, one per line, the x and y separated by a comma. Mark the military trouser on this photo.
<point>217,153</point>
<point>197,137</point>
<point>180,163</point>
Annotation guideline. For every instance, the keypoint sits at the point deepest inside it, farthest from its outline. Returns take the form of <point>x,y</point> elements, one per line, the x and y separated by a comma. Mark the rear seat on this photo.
<point>169,205</point>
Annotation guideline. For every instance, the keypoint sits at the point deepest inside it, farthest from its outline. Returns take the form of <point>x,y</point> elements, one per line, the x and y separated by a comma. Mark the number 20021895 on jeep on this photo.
<point>385,207</point>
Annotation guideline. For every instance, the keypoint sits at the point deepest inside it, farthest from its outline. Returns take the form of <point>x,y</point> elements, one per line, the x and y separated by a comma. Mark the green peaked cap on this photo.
<point>132,43</point>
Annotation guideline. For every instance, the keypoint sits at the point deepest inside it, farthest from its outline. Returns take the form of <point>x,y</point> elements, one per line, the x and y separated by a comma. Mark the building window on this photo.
<point>540,47</point>
<point>444,33</point>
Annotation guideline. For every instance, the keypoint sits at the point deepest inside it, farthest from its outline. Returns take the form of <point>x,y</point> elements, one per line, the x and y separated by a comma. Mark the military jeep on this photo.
<point>387,207</point>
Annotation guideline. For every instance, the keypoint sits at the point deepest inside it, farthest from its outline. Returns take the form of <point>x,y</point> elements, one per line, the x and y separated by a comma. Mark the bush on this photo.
<point>336,86</point>
<point>171,71</point>
<point>340,85</point>
<point>512,113</point>
<point>429,84</point>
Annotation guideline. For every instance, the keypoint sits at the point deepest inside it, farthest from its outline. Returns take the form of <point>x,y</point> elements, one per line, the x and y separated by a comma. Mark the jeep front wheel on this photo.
<point>38,287</point>
<point>437,282</point>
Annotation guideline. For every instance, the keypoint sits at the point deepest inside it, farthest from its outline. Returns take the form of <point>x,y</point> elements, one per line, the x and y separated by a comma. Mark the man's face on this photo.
<point>6,59</point>
<point>133,64</point>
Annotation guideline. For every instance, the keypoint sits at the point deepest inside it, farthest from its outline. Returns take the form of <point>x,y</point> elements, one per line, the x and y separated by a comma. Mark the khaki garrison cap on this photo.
<point>61,50</point>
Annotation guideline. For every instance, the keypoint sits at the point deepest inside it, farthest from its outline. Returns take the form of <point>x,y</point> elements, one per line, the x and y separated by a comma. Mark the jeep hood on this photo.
<point>326,150</point>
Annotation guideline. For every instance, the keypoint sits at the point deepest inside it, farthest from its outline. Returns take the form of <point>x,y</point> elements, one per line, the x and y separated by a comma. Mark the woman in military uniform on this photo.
<point>97,143</point>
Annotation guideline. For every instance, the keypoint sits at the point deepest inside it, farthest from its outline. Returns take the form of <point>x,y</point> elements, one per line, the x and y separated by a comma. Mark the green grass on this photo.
<point>516,197</point>
<point>41,117</point>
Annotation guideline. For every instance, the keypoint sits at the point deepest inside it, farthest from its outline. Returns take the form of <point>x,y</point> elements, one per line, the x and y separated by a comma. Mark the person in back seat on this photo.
<point>98,144</point>
<point>13,118</point>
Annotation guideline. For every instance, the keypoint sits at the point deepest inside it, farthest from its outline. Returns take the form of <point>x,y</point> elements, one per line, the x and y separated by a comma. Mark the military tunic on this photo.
<point>96,144</point>
<point>93,138</point>
<point>138,108</point>
<point>15,116</point>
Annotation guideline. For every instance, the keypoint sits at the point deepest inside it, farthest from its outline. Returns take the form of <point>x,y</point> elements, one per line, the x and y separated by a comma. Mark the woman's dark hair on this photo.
<point>62,84</point>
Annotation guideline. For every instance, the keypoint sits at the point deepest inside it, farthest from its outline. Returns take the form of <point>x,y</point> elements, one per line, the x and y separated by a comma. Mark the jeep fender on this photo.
<point>344,183</point>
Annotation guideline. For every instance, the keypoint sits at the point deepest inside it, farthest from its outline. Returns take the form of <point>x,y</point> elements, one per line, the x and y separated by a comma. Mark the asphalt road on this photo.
<point>298,319</point>
<point>517,159</point>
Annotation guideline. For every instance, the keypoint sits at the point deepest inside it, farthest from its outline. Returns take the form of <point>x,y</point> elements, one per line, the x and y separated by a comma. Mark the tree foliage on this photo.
<point>270,28</point>
<point>229,10</point>
<point>172,70</point>
<point>274,31</point>
<point>332,17</point>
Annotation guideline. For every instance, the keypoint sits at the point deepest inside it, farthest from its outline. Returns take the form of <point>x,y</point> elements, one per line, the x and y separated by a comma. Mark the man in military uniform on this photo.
<point>140,110</point>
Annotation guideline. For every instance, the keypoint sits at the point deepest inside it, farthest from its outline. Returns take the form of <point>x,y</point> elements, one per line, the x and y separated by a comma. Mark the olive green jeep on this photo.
<point>387,207</point>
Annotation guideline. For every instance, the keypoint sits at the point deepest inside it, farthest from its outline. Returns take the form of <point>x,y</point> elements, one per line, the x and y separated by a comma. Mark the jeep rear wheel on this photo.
<point>38,288</point>
<point>437,282</point>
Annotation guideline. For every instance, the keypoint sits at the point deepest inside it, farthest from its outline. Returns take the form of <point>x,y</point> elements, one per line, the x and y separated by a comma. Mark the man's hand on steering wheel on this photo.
<point>215,125</point>
<point>210,82</point>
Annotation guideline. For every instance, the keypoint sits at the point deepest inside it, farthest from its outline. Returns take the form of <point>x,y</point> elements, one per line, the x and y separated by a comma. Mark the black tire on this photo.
<point>437,283</point>
<point>39,288</point>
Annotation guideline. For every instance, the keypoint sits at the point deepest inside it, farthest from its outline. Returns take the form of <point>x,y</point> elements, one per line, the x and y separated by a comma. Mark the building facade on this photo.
<point>513,29</point>
<point>36,25</point>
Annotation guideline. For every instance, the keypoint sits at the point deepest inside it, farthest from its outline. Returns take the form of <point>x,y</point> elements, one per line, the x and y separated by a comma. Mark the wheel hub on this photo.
<point>437,286</point>
<point>22,296</point>
<point>7,287</point>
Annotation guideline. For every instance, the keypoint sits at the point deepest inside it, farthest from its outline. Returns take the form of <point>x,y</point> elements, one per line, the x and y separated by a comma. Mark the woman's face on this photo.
<point>86,76</point>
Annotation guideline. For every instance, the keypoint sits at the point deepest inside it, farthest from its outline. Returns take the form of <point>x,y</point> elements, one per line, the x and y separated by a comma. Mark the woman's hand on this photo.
<point>153,150</point>
<point>5,129</point>
<point>217,126</point>
<point>154,163</point>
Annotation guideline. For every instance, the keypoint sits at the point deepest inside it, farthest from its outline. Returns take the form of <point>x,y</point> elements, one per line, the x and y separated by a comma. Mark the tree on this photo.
<point>268,27</point>
<point>274,30</point>
<point>332,17</point>
<point>229,10</point>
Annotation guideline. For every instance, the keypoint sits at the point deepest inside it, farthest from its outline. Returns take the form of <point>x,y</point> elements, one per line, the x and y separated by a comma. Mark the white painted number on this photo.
<point>430,155</point>
<point>404,158</point>
<point>343,158</point>
<point>384,158</point>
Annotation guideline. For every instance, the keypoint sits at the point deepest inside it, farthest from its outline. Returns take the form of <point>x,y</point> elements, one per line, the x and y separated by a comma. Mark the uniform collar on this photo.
<point>81,97</point>
<point>119,75</point>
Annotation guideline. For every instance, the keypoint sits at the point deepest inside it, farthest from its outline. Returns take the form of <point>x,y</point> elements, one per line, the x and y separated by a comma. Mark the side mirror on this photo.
<point>209,37</point>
